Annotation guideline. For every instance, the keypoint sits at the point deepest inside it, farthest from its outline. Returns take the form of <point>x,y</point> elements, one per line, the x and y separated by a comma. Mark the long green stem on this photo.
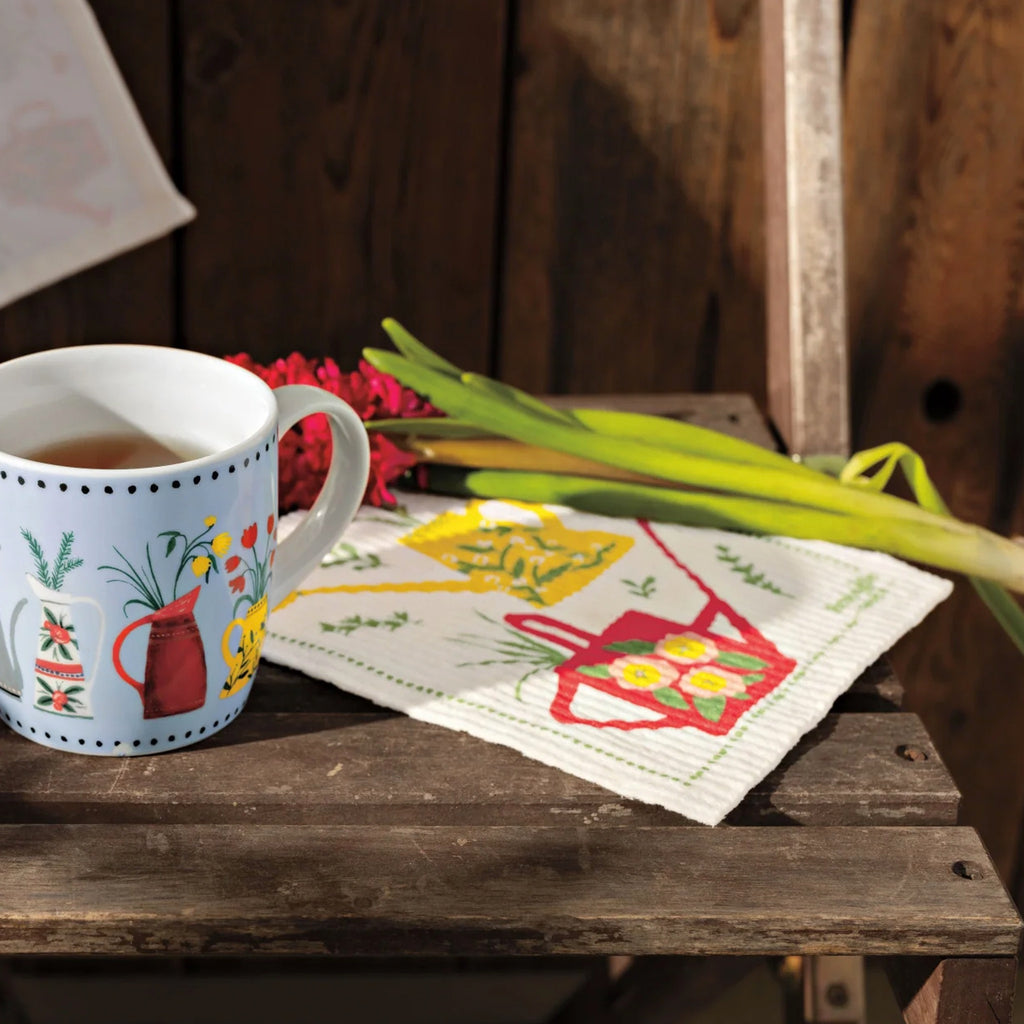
<point>499,453</point>
<point>660,430</point>
<point>461,400</point>
<point>933,545</point>
<point>429,426</point>
<point>762,491</point>
<point>883,461</point>
<point>416,352</point>
<point>686,438</point>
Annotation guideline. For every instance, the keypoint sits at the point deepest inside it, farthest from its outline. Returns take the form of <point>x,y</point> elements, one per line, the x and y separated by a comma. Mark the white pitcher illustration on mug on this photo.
<point>61,686</point>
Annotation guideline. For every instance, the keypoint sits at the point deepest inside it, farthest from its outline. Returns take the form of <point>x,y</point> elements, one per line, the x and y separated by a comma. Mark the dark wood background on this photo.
<point>568,193</point>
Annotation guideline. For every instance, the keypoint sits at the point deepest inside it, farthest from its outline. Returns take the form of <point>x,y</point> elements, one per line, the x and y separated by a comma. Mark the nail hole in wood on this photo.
<point>942,400</point>
<point>968,869</point>
<point>909,753</point>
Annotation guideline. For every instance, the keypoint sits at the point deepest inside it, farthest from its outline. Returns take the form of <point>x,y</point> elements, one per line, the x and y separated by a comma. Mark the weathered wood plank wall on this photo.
<point>344,159</point>
<point>635,198</point>
<point>934,161</point>
<point>569,192</point>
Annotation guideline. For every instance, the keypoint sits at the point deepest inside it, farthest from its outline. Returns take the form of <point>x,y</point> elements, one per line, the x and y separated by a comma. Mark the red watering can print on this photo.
<point>175,678</point>
<point>680,674</point>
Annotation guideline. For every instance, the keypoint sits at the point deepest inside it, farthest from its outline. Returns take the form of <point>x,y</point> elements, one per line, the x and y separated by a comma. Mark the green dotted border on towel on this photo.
<point>433,692</point>
<point>820,556</point>
<point>734,737</point>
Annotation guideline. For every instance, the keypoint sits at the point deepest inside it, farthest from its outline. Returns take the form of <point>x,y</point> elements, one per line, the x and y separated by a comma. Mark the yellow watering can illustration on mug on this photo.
<point>243,660</point>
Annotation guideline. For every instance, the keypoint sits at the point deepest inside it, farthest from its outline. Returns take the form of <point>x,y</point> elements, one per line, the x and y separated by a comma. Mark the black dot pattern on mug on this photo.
<point>154,488</point>
<point>81,741</point>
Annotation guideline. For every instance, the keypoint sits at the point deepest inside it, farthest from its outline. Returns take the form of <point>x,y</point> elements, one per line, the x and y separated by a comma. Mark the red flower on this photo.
<point>60,698</point>
<point>304,453</point>
<point>237,584</point>
<point>249,536</point>
<point>58,634</point>
<point>270,526</point>
<point>232,563</point>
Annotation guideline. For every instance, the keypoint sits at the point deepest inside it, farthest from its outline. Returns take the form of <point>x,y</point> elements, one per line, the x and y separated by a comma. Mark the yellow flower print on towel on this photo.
<point>524,550</point>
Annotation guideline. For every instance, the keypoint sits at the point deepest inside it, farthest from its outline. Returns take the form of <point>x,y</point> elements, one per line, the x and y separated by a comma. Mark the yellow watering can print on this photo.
<point>503,546</point>
<point>524,550</point>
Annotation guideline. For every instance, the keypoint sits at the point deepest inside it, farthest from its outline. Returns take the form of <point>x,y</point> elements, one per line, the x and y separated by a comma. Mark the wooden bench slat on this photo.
<point>465,890</point>
<point>393,770</point>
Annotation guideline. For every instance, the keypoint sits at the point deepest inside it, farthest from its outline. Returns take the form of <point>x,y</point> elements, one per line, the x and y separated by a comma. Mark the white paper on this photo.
<point>80,180</point>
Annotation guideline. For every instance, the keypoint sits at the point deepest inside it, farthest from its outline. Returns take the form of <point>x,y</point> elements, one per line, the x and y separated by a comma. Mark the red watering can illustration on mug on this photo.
<point>175,675</point>
<point>680,674</point>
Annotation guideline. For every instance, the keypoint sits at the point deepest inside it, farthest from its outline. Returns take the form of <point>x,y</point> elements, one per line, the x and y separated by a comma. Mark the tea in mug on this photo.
<point>132,450</point>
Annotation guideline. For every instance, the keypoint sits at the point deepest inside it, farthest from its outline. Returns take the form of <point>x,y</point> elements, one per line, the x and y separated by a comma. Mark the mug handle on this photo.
<point>338,501</point>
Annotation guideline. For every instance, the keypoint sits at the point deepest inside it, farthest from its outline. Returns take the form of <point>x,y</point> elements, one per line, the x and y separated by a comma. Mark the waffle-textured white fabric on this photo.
<point>80,180</point>
<point>669,664</point>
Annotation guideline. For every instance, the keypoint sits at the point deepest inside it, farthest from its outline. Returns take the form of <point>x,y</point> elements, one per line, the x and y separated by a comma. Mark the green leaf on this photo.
<point>45,701</point>
<point>517,569</point>
<point>631,647</point>
<point>44,684</point>
<point>64,652</point>
<point>752,679</point>
<point>740,696</point>
<point>480,549</point>
<point>171,542</point>
<point>71,690</point>
<point>670,698</point>
<point>733,659</point>
<point>830,464</point>
<point>47,644</point>
<point>1001,604</point>
<point>710,707</point>
<point>412,348</point>
<point>50,616</point>
<point>544,578</point>
<point>505,392</point>
<point>596,671</point>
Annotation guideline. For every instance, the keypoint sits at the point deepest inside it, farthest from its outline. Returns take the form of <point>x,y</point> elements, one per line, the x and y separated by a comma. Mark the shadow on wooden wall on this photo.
<point>634,255</point>
<point>569,193</point>
<point>935,241</point>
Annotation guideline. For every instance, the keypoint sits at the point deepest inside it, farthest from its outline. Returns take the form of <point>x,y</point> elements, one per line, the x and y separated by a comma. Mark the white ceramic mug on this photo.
<point>134,602</point>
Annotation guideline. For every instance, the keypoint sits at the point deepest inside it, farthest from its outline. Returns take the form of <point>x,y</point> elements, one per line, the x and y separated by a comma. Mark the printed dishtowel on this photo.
<point>670,664</point>
<point>80,180</point>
